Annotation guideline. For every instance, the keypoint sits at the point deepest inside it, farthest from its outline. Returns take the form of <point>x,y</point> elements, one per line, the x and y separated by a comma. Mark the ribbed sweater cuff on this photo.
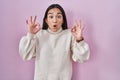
<point>30,35</point>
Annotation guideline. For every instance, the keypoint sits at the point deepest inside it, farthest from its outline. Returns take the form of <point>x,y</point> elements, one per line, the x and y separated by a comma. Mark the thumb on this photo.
<point>38,27</point>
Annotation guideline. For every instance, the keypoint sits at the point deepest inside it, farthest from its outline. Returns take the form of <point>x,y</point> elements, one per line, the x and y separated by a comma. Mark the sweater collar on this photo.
<point>50,31</point>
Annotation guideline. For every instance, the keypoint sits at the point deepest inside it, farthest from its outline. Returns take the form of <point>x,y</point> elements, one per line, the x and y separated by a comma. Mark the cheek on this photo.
<point>49,22</point>
<point>61,22</point>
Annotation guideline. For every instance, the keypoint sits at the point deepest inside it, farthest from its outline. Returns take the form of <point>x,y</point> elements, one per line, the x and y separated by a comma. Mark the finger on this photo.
<point>73,29</point>
<point>80,22</point>
<point>35,19</point>
<point>76,23</point>
<point>26,21</point>
<point>82,25</point>
<point>38,25</point>
<point>31,19</point>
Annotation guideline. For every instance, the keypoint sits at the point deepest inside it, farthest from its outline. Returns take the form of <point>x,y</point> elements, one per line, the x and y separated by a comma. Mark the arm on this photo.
<point>28,46</point>
<point>28,43</point>
<point>80,48</point>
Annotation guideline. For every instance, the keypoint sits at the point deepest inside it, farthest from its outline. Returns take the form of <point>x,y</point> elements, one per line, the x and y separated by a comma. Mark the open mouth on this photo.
<point>54,26</point>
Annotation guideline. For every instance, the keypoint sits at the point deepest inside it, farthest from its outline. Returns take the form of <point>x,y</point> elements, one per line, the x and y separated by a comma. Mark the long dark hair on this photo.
<point>64,25</point>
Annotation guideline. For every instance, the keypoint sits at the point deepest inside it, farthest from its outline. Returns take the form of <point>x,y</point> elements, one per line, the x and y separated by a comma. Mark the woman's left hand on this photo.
<point>77,30</point>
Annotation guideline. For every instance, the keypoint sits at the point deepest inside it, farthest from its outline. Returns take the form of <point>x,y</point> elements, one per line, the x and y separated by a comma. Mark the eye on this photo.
<point>51,17</point>
<point>59,16</point>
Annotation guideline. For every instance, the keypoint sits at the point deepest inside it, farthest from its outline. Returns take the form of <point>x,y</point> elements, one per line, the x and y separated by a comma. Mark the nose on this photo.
<point>55,20</point>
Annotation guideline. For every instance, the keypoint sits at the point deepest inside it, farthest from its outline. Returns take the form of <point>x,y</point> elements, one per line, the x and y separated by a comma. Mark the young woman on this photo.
<point>54,46</point>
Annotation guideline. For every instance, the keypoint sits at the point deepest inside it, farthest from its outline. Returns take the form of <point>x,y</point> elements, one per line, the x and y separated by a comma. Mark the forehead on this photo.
<point>54,11</point>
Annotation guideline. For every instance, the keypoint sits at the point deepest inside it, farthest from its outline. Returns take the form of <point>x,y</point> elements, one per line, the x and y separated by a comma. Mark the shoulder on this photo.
<point>41,32</point>
<point>68,31</point>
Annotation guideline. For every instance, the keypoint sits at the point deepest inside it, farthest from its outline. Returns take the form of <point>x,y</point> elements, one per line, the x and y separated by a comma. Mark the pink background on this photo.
<point>102,32</point>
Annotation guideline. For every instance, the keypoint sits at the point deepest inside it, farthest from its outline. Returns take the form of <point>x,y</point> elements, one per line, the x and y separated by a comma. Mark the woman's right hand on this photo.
<point>33,27</point>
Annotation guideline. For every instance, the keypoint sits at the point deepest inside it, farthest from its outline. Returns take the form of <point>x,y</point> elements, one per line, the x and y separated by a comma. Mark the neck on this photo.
<point>58,31</point>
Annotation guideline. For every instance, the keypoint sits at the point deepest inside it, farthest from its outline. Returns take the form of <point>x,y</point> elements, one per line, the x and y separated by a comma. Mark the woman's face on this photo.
<point>54,19</point>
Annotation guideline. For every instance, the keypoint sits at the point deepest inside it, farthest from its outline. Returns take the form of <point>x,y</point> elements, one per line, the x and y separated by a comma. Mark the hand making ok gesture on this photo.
<point>33,27</point>
<point>77,30</point>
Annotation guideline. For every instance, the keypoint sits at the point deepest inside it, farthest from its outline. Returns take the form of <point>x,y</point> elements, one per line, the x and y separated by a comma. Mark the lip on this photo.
<point>55,26</point>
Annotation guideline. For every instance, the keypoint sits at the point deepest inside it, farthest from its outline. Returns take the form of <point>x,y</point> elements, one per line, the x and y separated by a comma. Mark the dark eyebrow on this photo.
<point>59,13</point>
<point>50,13</point>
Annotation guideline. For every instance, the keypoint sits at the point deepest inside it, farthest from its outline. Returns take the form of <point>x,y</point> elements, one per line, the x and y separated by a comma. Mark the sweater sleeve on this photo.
<point>27,46</point>
<point>80,50</point>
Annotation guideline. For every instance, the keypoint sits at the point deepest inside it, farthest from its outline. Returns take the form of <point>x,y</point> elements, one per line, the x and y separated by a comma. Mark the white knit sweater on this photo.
<point>53,53</point>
